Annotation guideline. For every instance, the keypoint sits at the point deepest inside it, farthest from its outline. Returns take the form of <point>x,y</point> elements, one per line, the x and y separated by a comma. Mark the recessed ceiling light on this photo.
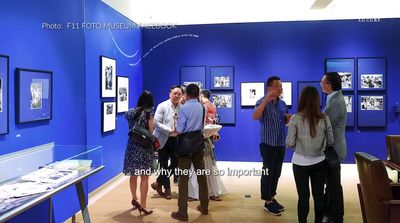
<point>320,4</point>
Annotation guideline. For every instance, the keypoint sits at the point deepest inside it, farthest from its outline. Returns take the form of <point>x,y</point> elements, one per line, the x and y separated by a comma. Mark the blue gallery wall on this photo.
<point>293,50</point>
<point>124,45</point>
<point>73,57</point>
<point>61,51</point>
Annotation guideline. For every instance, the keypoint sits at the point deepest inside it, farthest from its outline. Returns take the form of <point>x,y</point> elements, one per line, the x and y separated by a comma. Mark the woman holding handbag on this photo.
<point>308,133</point>
<point>139,156</point>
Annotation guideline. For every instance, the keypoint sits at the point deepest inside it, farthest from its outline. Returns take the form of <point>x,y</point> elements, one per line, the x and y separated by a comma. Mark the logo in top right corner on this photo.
<point>369,20</point>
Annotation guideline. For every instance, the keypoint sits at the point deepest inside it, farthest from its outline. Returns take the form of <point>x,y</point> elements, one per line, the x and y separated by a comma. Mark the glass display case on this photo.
<point>32,175</point>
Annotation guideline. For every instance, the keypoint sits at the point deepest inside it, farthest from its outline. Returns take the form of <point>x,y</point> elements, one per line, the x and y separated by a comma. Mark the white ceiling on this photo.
<point>182,12</point>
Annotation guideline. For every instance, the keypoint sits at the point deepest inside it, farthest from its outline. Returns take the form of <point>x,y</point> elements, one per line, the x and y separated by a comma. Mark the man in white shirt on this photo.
<point>164,130</point>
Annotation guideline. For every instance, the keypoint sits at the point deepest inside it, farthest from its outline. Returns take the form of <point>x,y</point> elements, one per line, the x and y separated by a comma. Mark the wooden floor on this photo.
<point>112,204</point>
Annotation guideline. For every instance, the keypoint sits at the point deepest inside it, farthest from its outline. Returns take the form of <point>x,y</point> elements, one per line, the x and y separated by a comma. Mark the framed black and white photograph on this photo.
<point>122,94</point>
<point>225,104</point>
<point>371,110</point>
<point>109,113</point>
<point>371,81</point>
<point>222,77</point>
<point>199,84</point>
<point>4,69</point>
<point>193,75</point>
<point>108,77</point>
<point>371,73</point>
<point>372,103</point>
<point>349,100</point>
<point>222,100</point>
<point>34,95</point>
<point>250,93</point>
<point>345,68</point>
<point>221,82</point>
<point>286,95</point>
<point>347,80</point>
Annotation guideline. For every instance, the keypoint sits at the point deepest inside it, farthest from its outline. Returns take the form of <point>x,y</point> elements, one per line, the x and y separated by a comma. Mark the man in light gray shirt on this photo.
<point>164,130</point>
<point>335,109</point>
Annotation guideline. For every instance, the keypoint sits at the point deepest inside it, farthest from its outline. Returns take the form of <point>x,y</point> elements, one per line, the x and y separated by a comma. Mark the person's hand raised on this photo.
<point>271,96</point>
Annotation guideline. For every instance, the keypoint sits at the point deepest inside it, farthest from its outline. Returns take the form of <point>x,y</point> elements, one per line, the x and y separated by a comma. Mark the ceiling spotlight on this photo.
<point>320,4</point>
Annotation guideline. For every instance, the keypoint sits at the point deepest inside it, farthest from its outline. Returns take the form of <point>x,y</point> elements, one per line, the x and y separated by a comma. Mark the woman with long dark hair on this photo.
<point>138,158</point>
<point>306,135</point>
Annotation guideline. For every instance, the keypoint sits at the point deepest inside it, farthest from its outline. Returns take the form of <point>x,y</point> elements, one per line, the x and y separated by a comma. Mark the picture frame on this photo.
<point>251,92</point>
<point>222,77</point>
<point>193,75</point>
<point>345,67</point>
<point>108,68</point>
<point>349,99</point>
<point>34,95</point>
<point>287,93</point>
<point>122,94</point>
<point>108,117</point>
<point>225,105</point>
<point>372,110</point>
<point>372,73</point>
<point>4,93</point>
<point>316,84</point>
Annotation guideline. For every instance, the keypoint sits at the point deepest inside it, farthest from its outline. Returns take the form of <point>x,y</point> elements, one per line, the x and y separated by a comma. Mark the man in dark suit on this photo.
<point>335,109</point>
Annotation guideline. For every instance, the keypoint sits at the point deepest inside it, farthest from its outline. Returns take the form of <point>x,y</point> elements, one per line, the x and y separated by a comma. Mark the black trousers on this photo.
<point>165,154</point>
<point>302,175</point>
<point>334,195</point>
<point>272,160</point>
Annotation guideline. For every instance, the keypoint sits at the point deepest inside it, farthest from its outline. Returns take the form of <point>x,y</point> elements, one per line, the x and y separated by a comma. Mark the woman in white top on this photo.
<point>307,137</point>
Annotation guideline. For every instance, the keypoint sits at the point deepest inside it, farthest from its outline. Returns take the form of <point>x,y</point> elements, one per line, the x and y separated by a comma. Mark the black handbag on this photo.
<point>141,135</point>
<point>190,142</point>
<point>331,156</point>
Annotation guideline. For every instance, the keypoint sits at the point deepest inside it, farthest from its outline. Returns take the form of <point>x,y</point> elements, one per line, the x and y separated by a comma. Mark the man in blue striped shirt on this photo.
<point>272,114</point>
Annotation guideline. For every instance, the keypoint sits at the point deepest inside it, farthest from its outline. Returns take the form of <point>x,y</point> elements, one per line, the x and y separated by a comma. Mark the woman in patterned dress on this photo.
<point>138,159</point>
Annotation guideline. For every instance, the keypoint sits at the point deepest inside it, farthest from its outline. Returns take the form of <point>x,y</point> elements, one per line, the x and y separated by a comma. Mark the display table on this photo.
<point>210,130</point>
<point>49,174</point>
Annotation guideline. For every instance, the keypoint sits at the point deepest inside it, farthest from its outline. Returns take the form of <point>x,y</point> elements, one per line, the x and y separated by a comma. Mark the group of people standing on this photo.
<point>183,112</point>
<point>309,130</point>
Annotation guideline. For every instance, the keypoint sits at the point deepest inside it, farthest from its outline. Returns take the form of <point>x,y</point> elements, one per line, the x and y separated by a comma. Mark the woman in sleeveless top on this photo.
<point>139,159</point>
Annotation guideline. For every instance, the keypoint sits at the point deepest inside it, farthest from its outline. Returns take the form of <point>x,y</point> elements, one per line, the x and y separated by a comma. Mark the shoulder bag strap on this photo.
<point>204,114</point>
<point>140,118</point>
<point>326,131</point>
